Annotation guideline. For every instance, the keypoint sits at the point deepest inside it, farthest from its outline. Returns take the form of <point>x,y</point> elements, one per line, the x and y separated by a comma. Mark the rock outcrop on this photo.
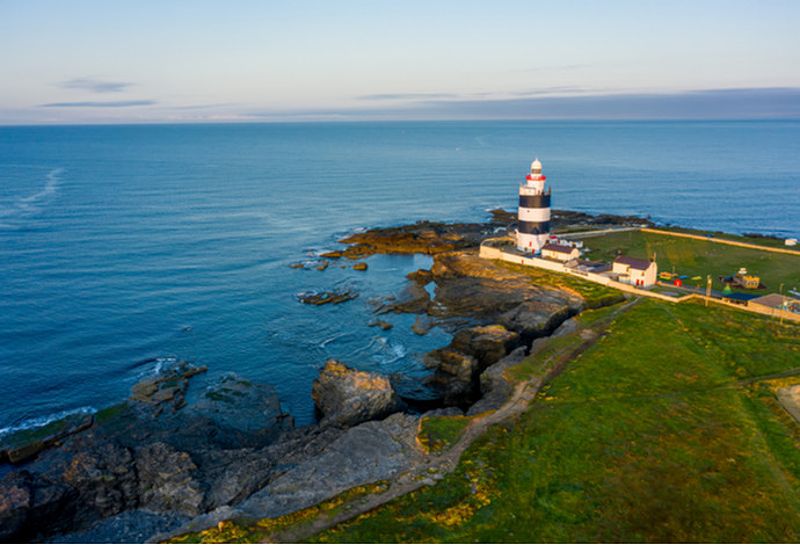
<point>136,455</point>
<point>455,375</point>
<point>346,397</point>
<point>165,457</point>
<point>369,452</point>
<point>487,344</point>
<point>244,414</point>
<point>495,389</point>
<point>458,367</point>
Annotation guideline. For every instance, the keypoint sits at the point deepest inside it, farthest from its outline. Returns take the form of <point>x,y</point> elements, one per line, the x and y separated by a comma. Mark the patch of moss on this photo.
<point>438,433</point>
<point>108,414</point>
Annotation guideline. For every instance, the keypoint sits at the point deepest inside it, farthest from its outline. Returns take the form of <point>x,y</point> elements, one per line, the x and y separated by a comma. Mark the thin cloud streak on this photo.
<point>95,85</point>
<point>407,96</point>
<point>100,104</point>
<point>742,103</point>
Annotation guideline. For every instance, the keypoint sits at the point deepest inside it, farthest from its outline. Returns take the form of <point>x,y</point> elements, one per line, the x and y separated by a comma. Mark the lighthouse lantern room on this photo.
<point>534,211</point>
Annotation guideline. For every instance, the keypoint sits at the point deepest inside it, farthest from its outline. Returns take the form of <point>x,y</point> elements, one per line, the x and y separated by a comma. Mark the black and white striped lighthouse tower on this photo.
<point>534,211</point>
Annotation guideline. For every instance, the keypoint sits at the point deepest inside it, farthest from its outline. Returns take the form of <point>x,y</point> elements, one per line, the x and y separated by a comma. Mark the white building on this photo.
<point>560,252</point>
<point>534,211</point>
<point>637,272</point>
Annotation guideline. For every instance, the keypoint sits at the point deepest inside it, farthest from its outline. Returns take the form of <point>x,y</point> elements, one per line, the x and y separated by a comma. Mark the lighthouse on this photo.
<point>534,211</point>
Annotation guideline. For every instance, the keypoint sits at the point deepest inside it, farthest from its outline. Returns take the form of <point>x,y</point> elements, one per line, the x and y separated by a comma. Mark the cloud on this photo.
<point>408,96</point>
<point>419,97</point>
<point>557,89</point>
<point>553,68</point>
<point>99,104</point>
<point>741,103</point>
<point>95,85</point>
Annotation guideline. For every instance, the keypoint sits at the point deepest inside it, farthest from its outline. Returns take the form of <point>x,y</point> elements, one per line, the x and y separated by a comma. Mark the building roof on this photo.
<point>741,296</point>
<point>536,165</point>
<point>560,248</point>
<point>774,300</point>
<point>633,263</point>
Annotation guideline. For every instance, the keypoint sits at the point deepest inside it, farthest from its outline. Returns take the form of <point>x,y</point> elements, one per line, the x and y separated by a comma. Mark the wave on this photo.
<point>326,342</point>
<point>45,420</point>
<point>163,364</point>
<point>31,204</point>
<point>382,351</point>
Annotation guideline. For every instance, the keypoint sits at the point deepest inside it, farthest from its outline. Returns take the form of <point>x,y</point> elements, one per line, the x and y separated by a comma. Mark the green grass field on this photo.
<point>700,258</point>
<point>664,430</point>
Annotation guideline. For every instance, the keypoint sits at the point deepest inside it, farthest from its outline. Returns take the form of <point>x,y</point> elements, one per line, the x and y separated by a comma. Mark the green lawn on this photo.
<point>661,431</point>
<point>699,258</point>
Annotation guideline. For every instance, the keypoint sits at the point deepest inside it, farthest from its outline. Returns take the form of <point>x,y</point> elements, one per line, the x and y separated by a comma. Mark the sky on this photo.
<point>82,61</point>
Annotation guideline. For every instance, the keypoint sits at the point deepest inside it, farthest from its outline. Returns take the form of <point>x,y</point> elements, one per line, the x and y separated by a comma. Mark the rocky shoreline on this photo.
<point>157,464</point>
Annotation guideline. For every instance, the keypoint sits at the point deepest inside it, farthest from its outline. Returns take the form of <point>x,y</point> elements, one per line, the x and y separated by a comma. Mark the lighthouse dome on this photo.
<point>536,166</point>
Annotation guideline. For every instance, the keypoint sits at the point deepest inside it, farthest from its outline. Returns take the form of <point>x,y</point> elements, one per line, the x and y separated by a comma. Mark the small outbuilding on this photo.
<point>560,252</point>
<point>638,272</point>
<point>774,301</point>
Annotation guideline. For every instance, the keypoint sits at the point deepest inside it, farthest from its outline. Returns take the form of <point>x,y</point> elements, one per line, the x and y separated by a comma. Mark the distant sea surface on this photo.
<point>125,247</point>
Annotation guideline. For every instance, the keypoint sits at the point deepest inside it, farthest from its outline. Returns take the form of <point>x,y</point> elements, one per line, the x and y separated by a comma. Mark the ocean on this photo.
<point>123,248</point>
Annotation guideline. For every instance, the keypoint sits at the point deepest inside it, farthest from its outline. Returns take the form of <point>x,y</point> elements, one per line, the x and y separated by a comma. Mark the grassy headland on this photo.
<point>692,258</point>
<point>666,429</point>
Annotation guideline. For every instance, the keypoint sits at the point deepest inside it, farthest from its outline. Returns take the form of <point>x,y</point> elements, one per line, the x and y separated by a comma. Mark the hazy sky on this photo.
<point>92,61</point>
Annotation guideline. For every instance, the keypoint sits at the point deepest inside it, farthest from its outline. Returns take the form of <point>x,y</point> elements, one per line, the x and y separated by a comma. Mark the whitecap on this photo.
<point>45,420</point>
<point>31,204</point>
<point>164,363</point>
<point>326,342</point>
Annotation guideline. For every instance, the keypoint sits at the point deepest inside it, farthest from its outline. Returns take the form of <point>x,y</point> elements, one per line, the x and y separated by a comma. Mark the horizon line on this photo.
<point>362,120</point>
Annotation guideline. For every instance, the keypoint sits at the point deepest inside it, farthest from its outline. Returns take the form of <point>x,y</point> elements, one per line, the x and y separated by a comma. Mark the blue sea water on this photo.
<point>124,246</point>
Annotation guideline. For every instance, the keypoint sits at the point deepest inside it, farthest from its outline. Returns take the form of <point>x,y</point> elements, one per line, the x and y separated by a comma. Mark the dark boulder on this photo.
<point>487,344</point>
<point>242,413</point>
<point>346,397</point>
<point>455,375</point>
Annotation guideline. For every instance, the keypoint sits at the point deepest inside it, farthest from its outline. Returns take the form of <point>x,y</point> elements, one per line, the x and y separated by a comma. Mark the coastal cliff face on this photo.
<point>159,462</point>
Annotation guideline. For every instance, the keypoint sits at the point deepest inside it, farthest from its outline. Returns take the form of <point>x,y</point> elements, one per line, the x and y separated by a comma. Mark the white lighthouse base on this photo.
<point>531,243</point>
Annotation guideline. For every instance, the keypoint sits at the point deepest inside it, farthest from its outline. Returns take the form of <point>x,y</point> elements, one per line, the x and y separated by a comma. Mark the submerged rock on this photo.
<point>383,324</point>
<point>346,397</point>
<point>167,387</point>
<point>421,326</point>
<point>360,266</point>
<point>326,297</point>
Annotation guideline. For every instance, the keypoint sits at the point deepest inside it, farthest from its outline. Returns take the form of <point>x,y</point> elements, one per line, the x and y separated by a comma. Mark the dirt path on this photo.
<point>441,464</point>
